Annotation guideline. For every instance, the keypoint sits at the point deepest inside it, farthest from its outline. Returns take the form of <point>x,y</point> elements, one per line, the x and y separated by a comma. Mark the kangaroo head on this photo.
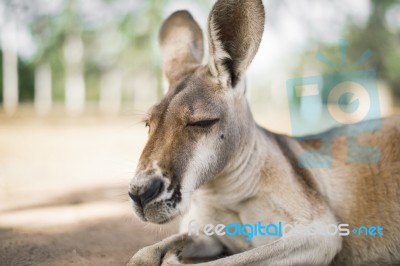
<point>201,125</point>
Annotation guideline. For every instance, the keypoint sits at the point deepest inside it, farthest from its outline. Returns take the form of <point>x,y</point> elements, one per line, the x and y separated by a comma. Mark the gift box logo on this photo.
<point>336,99</point>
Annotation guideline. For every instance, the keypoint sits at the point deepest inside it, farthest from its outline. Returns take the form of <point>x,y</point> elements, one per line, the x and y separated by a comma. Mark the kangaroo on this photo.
<point>207,159</point>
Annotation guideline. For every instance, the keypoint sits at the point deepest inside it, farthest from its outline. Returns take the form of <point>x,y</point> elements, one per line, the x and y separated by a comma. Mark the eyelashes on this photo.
<point>203,123</point>
<point>207,123</point>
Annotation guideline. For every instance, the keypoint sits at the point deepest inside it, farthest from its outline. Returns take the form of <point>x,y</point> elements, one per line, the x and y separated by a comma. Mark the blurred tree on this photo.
<point>73,49</point>
<point>1,76</point>
<point>9,56</point>
<point>26,82</point>
<point>383,43</point>
<point>372,35</point>
<point>48,36</point>
<point>48,31</point>
<point>120,58</point>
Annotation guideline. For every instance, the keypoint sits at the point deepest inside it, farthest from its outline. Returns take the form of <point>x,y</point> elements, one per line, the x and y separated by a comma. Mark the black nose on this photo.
<point>147,193</point>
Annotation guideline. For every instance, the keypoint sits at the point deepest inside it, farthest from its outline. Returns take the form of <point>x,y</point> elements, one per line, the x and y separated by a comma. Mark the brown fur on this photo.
<point>212,157</point>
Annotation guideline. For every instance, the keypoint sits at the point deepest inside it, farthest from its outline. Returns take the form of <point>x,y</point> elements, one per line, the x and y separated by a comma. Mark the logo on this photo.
<point>336,99</point>
<point>280,229</point>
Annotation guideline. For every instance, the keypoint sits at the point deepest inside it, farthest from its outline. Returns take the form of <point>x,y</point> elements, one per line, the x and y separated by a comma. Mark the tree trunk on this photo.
<point>10,66</point>
<point>43,98</point>
<point>74,79</point>
<point>111,92</point>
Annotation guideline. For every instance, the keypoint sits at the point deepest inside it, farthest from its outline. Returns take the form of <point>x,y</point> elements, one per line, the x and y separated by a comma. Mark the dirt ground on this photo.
<point>63,188</point>
<point>63,191</point>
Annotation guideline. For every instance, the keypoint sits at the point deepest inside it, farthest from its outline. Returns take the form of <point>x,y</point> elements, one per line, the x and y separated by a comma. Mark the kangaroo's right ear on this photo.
<point>181,41</point>
<point>235,28</point>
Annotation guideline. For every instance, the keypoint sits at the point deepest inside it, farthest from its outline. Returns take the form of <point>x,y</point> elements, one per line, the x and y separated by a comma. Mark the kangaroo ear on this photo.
<point>181,41</point>
<point>235,29</point>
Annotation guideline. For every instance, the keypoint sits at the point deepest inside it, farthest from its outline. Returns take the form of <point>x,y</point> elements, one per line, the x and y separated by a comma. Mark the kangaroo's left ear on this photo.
<point>235,29</point>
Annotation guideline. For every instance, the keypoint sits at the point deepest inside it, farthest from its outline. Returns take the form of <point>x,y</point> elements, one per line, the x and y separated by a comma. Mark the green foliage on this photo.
<point>58,74</point>
<point>26,81</point>
<point>384,44</point>
<point>374,36</point>
<point>131,47</point>
<point>127,41</point>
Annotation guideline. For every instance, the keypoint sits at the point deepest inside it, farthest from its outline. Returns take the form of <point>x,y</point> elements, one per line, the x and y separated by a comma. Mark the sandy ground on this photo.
<point>63,188</point>
<point>63,185</point>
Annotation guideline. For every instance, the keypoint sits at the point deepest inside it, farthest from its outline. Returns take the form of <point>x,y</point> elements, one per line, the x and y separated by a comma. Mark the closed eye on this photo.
<point>203,123</point>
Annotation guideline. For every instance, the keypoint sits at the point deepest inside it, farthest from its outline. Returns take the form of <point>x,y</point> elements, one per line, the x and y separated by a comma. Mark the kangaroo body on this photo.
<point>206,158</point>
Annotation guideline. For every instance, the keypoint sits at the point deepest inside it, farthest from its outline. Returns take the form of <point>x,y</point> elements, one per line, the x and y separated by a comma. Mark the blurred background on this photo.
<point>77,77</point>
